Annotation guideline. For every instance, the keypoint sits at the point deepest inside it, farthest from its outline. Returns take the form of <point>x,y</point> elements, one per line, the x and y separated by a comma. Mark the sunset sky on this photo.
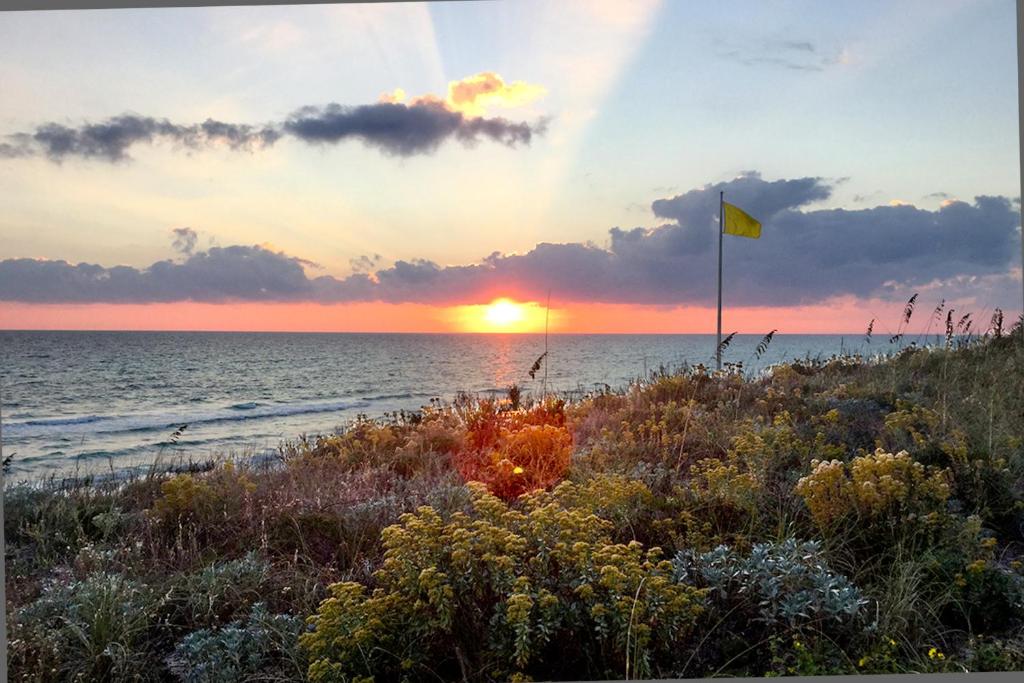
<point>400,167</point>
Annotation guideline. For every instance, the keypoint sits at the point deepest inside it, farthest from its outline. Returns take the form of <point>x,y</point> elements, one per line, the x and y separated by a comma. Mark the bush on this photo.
<point>43,527</point>
<point>515,461</point>
<point>262,648</point>
<point>990,598</point>
<point>91,630</point>
<point>190,499</point>
<point>882,485</point>
<point>625,503</point>
<point>786,584</point>
<point>774,593</point>
<point>994,654</point>
<point>542,591</point>
<point>217,593</point>
<point>363,444</point>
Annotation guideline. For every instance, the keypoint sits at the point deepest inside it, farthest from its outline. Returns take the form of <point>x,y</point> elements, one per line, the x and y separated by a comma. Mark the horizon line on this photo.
<point>439,333</point>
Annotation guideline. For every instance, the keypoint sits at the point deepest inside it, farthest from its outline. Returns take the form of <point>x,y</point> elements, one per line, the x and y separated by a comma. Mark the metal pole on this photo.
<point>547,315</point>
<point>721,230</point>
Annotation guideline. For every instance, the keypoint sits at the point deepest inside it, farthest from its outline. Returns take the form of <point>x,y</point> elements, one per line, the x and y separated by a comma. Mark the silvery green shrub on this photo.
<point>217,593</point>
<point>93,629</point>
<point>785,584</point>
<point>263,647</point>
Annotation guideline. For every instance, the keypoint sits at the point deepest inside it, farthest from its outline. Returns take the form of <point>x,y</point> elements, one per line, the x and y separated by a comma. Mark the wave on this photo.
<point>105,424</point>
<point>391,397</point>
<point>60,421</point>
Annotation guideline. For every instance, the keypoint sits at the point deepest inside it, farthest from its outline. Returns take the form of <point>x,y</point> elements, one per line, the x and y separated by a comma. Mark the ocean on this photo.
<point>91,402</point>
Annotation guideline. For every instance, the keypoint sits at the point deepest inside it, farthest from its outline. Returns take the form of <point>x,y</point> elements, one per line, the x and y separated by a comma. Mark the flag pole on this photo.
<point>721,228</point>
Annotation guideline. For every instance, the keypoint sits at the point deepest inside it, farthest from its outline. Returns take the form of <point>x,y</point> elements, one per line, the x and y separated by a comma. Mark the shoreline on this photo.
<point>185,461</point>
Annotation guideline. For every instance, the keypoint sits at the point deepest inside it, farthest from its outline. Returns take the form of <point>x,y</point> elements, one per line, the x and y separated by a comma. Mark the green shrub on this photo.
<point>264,647</point>
<point>203,501</point>
<point>994,654</point>
<point>217,593</point>
<point>777,595</point>
<point>43,527</point>
<point>990,598</point>
<point>89,630</point>
<point>540,591</point>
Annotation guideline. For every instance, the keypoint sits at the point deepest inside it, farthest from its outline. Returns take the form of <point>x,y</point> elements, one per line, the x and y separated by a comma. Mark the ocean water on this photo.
<point>85,402</point>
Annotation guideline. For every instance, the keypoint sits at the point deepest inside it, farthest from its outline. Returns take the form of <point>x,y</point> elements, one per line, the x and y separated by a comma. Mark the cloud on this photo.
<point>184,240</point>
<point>364,263</point>
<point>235,273</point>
<point>861,198</point>
<point>473,94</point>
<point>394,127</point>
<point>796,55</point>
<point>394,97</point>
<point>400,129</point>
<point>110,140</point>
<point>804,256</point>
<point>17,148</point>
<point>758,197</point>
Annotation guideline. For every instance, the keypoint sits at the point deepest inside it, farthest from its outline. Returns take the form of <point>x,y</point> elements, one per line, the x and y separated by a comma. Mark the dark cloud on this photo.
<point>803,256</point>
<point>759,197</point>
<point>17,147</point>
<point>397,129</point>
<point>401,129</point>
<point>184,240</point>
<point>364,263</point>
<point>111,139</point>
<point>218,274</point>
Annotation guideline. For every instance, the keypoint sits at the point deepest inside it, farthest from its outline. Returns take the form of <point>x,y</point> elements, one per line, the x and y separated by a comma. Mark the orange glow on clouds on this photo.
<point>841,316</point>
<point>472,95</point>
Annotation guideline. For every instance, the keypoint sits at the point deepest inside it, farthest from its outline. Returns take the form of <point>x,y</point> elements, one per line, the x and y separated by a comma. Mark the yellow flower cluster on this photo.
<point>922,426</point>
<point>871,486</point>
<point>760,456</point>
<point>363,437</point>
<point>191,497</point>
<point>726,482</point>
<point>666,427</point>
<point>780,448</point>
<point>977,567</point>
<point>509,583</point>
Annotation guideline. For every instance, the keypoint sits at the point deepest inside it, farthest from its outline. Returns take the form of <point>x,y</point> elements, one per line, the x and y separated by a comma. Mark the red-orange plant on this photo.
<point>514,452</point>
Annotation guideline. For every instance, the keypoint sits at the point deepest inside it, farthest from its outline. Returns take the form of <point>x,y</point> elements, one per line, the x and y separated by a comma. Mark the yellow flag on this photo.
<point>739,222</point>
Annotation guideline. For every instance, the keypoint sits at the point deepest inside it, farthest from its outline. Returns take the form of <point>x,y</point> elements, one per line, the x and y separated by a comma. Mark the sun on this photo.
<point>504,313</point>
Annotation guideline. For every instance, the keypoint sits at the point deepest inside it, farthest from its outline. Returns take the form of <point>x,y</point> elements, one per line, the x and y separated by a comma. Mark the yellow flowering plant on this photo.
<point>879,485</point>
<point>502,592</point>
<point>189,498</point>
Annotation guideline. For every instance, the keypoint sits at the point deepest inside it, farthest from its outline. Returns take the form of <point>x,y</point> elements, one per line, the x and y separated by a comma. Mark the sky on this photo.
<point>401,167</point>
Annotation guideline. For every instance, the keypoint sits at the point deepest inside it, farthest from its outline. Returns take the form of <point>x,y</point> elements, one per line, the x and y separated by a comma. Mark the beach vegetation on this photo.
<point>833,515</point>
